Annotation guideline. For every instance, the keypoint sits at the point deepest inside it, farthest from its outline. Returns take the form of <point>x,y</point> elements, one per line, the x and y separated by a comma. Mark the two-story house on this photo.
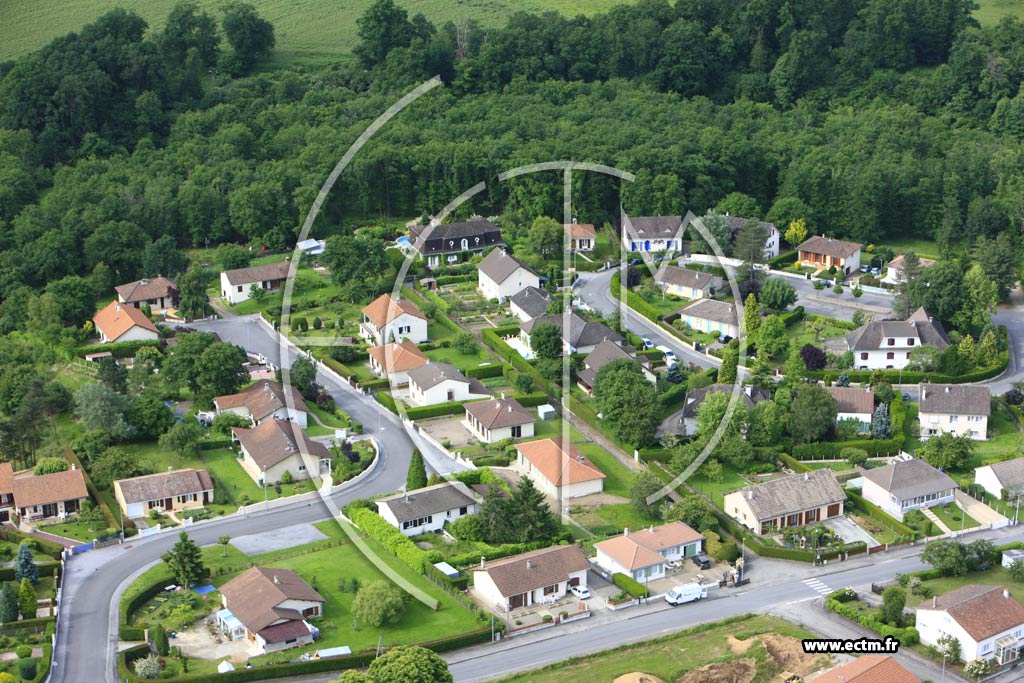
<point>687,282</point>
<point>159,293</point>
<point>771,243</point>
<point>501,275</point>
<point>987,621</point>
<point>441,245</point>
<point>907,485</point>
<point>394,361</point>
<point>958,409</point>
<point>652,234</point>
<point>801,499</point>
<point>6,491</point>
<point>882,344</point>
<point>386,319</point>
<point>822,253</point>
<point>427,509</point>
<point>642,554</point>
<point>435,383</point>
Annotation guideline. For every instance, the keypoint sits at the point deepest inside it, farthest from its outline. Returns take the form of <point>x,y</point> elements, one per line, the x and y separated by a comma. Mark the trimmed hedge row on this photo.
<point>793,463</point>
<point>376,384</point>
<point>782,260</point>
<point>790,318</point>
<point>117,349</point>
<point>633,300</point>
<point>437,410</point>
<point>494,552</point>
<point>213,444</point>
<point>387,401</point>
<point>486,371</point>
<point>47,569</point>
<point>629,585</point>
<point>906,636</point>
<point>391,538</point>
<point>832,449</point>
<point>132,605</point>
<point>763,549</point>
<point>54,550</point>
<point>531,400</point>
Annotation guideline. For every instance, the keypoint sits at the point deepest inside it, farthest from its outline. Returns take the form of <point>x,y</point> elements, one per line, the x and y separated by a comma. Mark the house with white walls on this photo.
<point>987,621</point>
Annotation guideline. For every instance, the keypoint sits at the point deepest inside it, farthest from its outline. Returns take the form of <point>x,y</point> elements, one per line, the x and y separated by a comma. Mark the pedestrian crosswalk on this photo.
<point>818,586</point>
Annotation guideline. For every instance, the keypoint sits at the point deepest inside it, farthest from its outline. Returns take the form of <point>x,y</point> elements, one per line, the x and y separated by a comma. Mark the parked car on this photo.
<point>906,396</point>
<point>865,269</point>
<point>701,560</point>
<point>648,344</point>
<point>688,592</point>
<point>876,271</point>
<point>670,355</point>
<point>636,261</point>
<point>581,592</point>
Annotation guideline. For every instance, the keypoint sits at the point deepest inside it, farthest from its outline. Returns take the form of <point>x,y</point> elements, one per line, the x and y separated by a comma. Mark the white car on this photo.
<point>648,344</point>
<point>581,592</point>
<point>670,355</point>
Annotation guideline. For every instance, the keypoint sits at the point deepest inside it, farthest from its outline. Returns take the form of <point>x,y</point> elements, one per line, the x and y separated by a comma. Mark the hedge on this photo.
<point>437,410</point>
<point>830,450</point>
<point>906,636</point>
<point>671,397</point>
<point>387,401</point>
<point>630,585</point>
<point>537,398</point>
<point>486,371</point>
<point>493,552</point>
<point>376,384</point>
<point>757,545</point>
<point>790,318</point>
<point>492,337</point>
<point>36,625</point>
<point>391,538</point>
<point>54,550</point>
<point>875,513</point>
<point>117,349</point>
<point>793,463</point>
<point>782,260</point>
<point>453,279</point>
<point>213,444</point>
<point>130,606</point>
<point>633,300</point>
<point>47,569</point>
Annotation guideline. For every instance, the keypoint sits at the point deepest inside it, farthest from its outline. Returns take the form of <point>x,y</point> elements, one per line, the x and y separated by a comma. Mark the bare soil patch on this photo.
<point>638,677</point>
<point>736,671</point>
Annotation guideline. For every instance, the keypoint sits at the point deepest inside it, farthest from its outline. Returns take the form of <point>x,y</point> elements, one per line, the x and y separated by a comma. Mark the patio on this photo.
<point>204,640</point>
<point>450,429</point>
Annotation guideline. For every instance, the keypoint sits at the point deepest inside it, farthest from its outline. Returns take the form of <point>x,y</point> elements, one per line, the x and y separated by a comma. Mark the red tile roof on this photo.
<point>116,318</point>
<point>869,669</point>
<point>560,466</point>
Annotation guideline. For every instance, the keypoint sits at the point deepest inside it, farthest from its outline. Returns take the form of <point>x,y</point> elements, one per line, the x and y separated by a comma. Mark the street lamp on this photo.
<point>943,680</point>
<point>266,502</point>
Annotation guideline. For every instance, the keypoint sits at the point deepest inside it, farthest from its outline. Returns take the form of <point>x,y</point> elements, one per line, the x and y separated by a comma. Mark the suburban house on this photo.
<point>530,303</point>
<point>269,607</point>
<point>603,354</point>
<point>749,396</point>
<point>986,620</point>
<point>501,275</point>
<point>771,243</point>
<point>854,403</point>
<point>687,282</point>
<point>1004,480</point>
<point>642,554</point>
<point>271,449</point>
<point>394,361</point>
<point>265,400</point>
<point>159,293</point>
<point>169,491</point>
<point>235,285</point>
<point>650,234</point>
<point>894,269</point>
<point>562,472</point>
<point>583,336</point>
<point>435,383</point>
<point>499,418</point>
<point>907,485</point>
<point>959,409</point>
<point>869,669</point>
<point>709,315</point>
<point>530,578</point>
<point>883,344</point>
<point>821,253</point>
<point>444,244</point>
<point>6,491</point>
<point>58,494</point>
<point>425,510</point>
<point>388,320</point>
<point>118,322</point>
<point>795,500</point>
<point>582,236</point>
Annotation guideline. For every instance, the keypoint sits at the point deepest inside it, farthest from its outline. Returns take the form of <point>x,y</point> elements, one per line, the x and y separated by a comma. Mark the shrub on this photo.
<point>629,585</point>
<point>27,669</point>
<point>317,323</point>
<point>391,538</point>
<point>286,478</point>
<point>148,667</point>
<point>857,292</point>
<point>23,651</point>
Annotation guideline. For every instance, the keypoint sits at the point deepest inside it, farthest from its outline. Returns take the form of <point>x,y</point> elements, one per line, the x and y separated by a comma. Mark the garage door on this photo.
<point>833,510</point>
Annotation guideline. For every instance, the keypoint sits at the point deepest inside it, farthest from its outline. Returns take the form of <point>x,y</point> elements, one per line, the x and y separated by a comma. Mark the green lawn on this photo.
<point>336,418</point>
<point>814,328</point>
<point>996,576</point>
<point>624,516</point>
<point>989,12</point>
<point>921,246</point>
<point>671,656</point>
<point>453,356</point>
<point>617,475</point>
<point>1005,440</point>
<point>75,529</point>
<point>716,490</point>
<point>954,517</point>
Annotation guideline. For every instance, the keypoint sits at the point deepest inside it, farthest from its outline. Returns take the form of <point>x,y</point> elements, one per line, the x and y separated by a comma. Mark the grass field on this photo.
<point>954,518</point>
<point>307,31</point>
<point>920,246</point>
<point>996,576</point>
<point>617,477</point>
<point>989,12</point>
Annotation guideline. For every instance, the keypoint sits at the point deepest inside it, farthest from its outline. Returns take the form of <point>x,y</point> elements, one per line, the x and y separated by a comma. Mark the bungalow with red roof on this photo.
<point>159,293</point>
<point>558,469</point>
<point>270,608</point>
<point>642,554</point>
<point>58,494</point>
<point>986,620</point>
<point>119,322</point>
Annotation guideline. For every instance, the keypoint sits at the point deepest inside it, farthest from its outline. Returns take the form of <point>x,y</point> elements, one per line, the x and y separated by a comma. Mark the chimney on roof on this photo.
<point>169,469</point>
<point>625,532</point>
<point>529,564</point>
<point>750,494</point>
<point>1006,594</point>
<point>510,407</point>
<point>947,389</point>
<point>935,601</point>
<point>483,562</point>
<point>807,476</point>
<point>277,579</point>
<point>651,530</point>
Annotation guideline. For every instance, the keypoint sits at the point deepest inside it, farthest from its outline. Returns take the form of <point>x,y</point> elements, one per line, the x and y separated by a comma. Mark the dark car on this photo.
<point>701,560</point>
<point>636,261</point>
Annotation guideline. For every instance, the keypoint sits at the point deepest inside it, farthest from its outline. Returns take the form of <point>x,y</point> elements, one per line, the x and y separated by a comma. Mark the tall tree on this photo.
<point>751,317</point>
<point>192,292</point>
<point>303,372</point>
<point>749,247</point>
<point>99,407</point>
<point>28,603</point>
<point>546,341</point>
<point>796,233</point>
<point>776,295</point>
<point>8,603</point>
<point>529,517</point>
<point>162,257</point>
<point>183,438</point>
<point>220,370</point>
<point>812,414</point>
<point>379,603</point>
<point>643,486</point>
<point>24,566</point>
<point>730,360</point>
<point>947,451</point>
<point>190,28</point>
<point>251,37</point>
<point>113,374</point>
<point>545,237</point>
<point>185,561</point>
<point>626,399</point>
<point>417,475</point>
<point>998,257</point>
<point>409,664</point>
<point>771,337</point>
<point>383,27</point>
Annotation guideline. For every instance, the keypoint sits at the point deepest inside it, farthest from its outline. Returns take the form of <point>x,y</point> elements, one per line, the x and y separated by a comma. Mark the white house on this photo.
<point>687,282</point>
<point>907,485</point>
<point>173,490</point>
<point>795,500</point>
<point>389,320</point>
<point>501,275</point>
<point>959,409</point>
<point>235,285</point>
<point>854,403</point>
<point>531,578</point>
<point>265,400</point>
<point>270,608</point>
<point>652,234</point>
<point>823,253</point>
<point>583,335</point>
<point>1002,477</point>
<point>894,269</point>
<point>530,303</point>
<point>159,293</point>
<point>558,470</point>
<point>118,322</point>
<point>882,344</point>
<point>497,419</point>
<point>582,236</point>
<point>987,621</point>
<point>771,243</point>
<point>273,448</point>
<point>435,383</point>
<point>709,315</point>
<point>642,554</point>
<point>442,245</point>
<point>394,361</point>
<point>426,510</point>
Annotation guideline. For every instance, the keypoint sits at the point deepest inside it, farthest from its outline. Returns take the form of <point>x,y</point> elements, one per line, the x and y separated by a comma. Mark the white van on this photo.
<point>670,355</point>
<point>688,592</point>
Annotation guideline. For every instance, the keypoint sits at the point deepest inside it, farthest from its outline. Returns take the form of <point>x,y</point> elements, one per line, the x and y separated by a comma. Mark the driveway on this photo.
<point>849,531</point>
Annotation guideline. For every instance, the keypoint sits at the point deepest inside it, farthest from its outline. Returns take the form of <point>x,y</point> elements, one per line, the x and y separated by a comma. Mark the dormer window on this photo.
<point>892,342</point>
<point>910,342</point>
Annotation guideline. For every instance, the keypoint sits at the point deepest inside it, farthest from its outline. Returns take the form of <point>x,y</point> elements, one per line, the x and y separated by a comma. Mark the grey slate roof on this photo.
<point>261,273</point>
<point>648,227</point>
<point>908,479</point>
<point>500,412</point>
<point>447,238</point>
<point>955,399</point>
<point>603,354</point>
<point>581,332</point>
<point>499,265</point>
<point>533,301</point>
<point>710,309</point>
<point>919,325</point>
<point>749,396</point>
<point>164,485</point>
<point>1010,473</point>
<point>432,374</point>
<point>430,500</point>
<point>793,493</point>
<point>683,277</point>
